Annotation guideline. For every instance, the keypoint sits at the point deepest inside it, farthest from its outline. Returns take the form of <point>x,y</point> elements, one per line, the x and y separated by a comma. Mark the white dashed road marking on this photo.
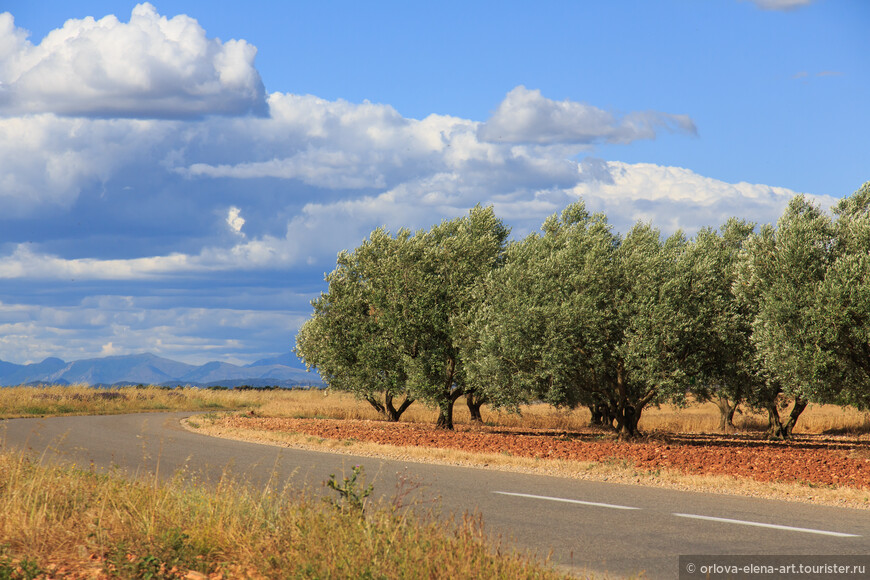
<point>691,516</point>
<point>772,526</point>
<point>577,501</point>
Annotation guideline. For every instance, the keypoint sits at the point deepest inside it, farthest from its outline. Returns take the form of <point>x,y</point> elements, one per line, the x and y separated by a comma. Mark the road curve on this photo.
<point>593,526</point>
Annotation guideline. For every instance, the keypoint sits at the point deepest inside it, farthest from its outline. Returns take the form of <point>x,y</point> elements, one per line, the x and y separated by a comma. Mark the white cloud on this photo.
<point>150,67</point>
<point>24,263</point>
<point>526,116</point>
<point>331,144</point>
<point>235,220</point>
<point>46,160</point>
<point>783,5</point>
<point>674,198</point>
<point>109,349</point>
<point>670,198</point>
<point>340,145</point>
<point>102,326</point>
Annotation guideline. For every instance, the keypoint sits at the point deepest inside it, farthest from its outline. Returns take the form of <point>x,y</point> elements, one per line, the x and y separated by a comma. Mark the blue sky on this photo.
<point>176,177</point>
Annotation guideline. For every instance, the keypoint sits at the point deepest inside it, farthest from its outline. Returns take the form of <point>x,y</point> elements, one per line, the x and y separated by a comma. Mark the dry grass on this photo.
<point>80,400</point>
<point>704,418</point>
<point>337,405</point>
<point>63,522</point>
<point>694,418</point>
<point>84,400</point>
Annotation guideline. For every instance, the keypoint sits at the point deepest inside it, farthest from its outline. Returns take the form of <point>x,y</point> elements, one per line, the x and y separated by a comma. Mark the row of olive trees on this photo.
<point>578,315</point>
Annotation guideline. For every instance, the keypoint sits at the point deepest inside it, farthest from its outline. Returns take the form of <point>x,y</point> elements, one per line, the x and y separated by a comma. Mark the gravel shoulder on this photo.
<point>830,470</point>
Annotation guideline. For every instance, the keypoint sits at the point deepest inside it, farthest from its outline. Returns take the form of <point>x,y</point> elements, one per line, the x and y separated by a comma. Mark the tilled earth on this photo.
<point>814,459</point>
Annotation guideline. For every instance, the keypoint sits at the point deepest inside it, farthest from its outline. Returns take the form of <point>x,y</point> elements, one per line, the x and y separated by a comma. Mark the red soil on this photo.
<point>816,459</point>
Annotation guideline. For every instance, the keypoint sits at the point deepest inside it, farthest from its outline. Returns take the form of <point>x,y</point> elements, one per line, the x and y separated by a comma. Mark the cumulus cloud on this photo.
<point>368,165</point>
<point>673,198</point>
<point>344,146</point>
<point>526,116</point>
<point>109,349</point>
<point>47,160</point>
<point>235,220</point>
<point>150,67</point>
<point>332,144</point>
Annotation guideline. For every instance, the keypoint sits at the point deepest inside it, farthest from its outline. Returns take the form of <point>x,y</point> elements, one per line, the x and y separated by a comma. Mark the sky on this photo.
<point>177,177</point>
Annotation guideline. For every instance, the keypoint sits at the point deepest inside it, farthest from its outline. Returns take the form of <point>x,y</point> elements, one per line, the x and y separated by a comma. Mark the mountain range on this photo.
<point>149,369</point>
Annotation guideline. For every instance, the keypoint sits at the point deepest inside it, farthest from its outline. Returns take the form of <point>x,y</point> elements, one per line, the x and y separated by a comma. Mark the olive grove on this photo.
<point>580,315</point>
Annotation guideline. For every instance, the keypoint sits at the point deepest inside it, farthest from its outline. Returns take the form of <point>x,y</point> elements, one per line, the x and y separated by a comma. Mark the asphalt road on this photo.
<point>594,526</point>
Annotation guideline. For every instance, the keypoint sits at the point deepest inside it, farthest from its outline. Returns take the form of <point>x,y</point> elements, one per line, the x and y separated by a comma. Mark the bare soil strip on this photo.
<point>816,468</point>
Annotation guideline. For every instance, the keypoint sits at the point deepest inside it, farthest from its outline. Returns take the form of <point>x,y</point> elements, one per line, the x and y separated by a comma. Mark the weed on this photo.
<point>352,495</point>
<point>26,569</point>
<point>122,563</point>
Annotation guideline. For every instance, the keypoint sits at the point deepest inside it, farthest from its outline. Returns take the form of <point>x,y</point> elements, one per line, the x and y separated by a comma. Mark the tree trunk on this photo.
<point>799,405</point>
<point>626,413</point>
<point>726,414</point>
<point>379,407</point>
<point>445,409</point>
<point>596,416</point>
<point>448,397</point>
<point>474,405</point>
<point>387,409</point>
<point>627,419</point>
<point>392,412</point>
<point>601,416</point>
<point>776,428</point>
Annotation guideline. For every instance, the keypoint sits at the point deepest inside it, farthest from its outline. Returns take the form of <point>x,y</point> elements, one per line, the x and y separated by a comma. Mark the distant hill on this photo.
<point>150,369</point>
<point>287,359</point>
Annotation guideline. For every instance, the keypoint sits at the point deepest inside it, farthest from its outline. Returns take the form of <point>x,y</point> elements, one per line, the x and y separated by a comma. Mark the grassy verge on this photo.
<point>63,522</point>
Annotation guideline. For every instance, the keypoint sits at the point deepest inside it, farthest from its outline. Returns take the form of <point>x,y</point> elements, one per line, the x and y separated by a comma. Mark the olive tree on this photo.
<point>535,336</point>
<point>841,317</point>
<point>578,315</point>
<point>346,340</point>
<point>781,272</point>
<point>450,261</point>
<point>728,371</point>
<point>395,317</point>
